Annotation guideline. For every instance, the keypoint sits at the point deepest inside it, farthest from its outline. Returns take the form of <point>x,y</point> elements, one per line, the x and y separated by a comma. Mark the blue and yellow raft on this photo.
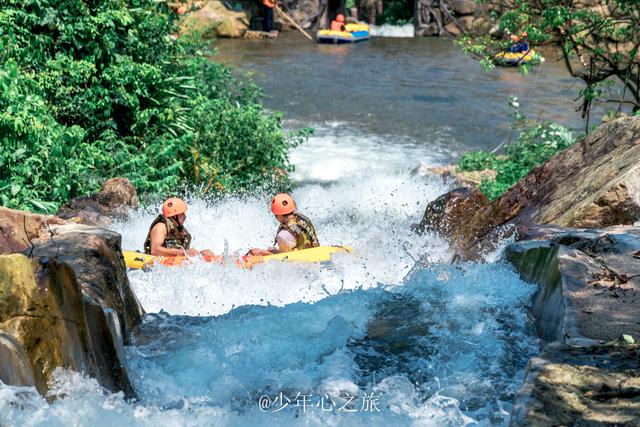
<point>353,33</point>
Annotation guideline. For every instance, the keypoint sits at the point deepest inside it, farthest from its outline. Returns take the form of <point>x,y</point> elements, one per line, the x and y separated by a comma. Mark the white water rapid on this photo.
<point>355,343</point>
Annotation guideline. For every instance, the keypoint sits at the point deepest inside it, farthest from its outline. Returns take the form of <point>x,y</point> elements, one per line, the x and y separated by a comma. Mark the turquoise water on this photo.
<point>393,335</point>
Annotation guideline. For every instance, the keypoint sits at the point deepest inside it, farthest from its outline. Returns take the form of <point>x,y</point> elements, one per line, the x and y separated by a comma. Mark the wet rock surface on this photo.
<point>65,301</point>
<point>593,184</point>
<point>587,299</point>
<point>114,200</point>
<point>215,19</point>
<point>586,386</point>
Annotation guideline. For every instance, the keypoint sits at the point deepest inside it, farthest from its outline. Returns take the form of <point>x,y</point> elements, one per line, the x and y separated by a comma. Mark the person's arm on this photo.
<point>158,236</point>
<point>285,241</point>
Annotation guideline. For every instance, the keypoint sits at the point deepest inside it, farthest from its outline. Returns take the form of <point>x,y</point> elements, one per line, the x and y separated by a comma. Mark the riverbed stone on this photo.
<point>593,184</point>
<point>589,281</point>
<point>446,214</point>
<point>19,228</point>
<point>65,301</point>
<point>595,385</point>
<point>452,29</point>
<point>586,312</point>
<point>214,19</point>
<point>464,7</point>
<point>114,201</point>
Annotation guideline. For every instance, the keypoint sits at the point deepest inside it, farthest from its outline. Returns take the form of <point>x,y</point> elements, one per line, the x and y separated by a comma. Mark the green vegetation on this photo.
<point>93,90</point>
<point>599,45</point>
<point>535,144</point>
<point>396,12</point>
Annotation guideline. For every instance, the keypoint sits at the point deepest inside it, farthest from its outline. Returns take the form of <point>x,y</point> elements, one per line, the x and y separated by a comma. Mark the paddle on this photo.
<point>294,23</point>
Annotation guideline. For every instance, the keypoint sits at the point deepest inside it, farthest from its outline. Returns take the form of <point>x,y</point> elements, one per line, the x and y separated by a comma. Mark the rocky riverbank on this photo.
<point>586,265</point>
<point>65,300</point>
<point>587,309</point>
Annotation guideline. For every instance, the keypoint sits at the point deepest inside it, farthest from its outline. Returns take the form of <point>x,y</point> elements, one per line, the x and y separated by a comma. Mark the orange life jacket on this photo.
<point>268,3</point>
<point>336,26</point>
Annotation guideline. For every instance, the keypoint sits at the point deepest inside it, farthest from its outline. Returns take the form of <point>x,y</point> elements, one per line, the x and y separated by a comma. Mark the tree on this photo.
<point>598,41</point>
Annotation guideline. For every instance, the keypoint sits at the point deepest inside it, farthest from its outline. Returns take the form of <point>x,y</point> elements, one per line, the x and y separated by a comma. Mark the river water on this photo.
<point>372,339</point>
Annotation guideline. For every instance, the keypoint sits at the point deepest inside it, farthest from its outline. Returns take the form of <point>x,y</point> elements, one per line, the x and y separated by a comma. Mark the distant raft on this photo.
<point>353,33</point>
<point>137,260</point>
<point>512,59</point>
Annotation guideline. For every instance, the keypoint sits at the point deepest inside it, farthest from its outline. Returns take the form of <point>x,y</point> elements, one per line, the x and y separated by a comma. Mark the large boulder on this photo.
<point>594,184</point>
<point>464,7</point>
<point>18,229</point>
<point>586,309</point>
<point>114,200</point>
<point>215,20</point>
<point>448,213</point>
<point>65,301</point>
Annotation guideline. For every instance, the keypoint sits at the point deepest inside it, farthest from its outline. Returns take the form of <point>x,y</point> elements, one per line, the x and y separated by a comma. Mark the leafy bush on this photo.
<point>396,12</point>
<point>536,144</point>
<point>92,90</point>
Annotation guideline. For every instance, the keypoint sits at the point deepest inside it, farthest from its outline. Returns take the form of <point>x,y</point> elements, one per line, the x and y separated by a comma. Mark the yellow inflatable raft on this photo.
<point>352,33</point>
<point>137,260</point>
<point>512,58</point>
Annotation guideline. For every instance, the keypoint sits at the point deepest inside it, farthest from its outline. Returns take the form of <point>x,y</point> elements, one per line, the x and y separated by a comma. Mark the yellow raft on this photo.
<point>512,58</point>
<point>352,33</point>
<point>137,260</point>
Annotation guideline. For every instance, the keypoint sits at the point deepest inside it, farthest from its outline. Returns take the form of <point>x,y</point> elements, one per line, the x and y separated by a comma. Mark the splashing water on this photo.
<point>355,343</point>
<point>387,30</point>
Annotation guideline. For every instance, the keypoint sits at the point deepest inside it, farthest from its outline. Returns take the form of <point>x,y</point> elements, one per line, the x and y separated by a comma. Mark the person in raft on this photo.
<point>167,235</point>
<point>295,232</point>
<point>338,23</point>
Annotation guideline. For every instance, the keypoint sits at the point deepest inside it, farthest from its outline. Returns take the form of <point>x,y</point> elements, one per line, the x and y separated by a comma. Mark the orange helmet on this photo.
<point>173,206</point>
<point>340,17</point>
<point>282,204</point>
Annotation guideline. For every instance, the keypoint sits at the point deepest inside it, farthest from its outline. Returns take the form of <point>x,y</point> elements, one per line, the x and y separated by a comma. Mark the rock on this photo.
<point>41,307</point>
<point>449,174</point>
<point>588,287</point>
<point>586,3</point>
<point>114,200</point>
<point>452,29</point>
<point>260,35</point>
<point>481,26</point>
<point>571,386</point>
<point>464,7</point>
<point>18,228</point>
<point>466,22</point>
<point>428,30</point>
<point>446,214</point>
<point>15,368</point>
<point>593,184</point>
<point>589,281</point>
<point>215,20</point>
<point>70,305</point>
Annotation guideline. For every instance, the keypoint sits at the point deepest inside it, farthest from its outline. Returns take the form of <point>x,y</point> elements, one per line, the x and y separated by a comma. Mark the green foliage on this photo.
<point>536,143</point>
<point>93,90</point>
<point>396,12</point>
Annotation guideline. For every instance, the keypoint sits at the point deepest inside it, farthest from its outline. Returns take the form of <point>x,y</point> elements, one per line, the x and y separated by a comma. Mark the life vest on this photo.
<point>268,3</point>
<point>177,236</point>
<point>301,228</point>
<point>336,26</point>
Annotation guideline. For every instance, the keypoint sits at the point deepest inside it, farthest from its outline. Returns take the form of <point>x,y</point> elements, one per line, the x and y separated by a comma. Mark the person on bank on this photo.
<point>338,23</point>
<point>295,231</point>
<point>167,235</point>
<point>266,7</point>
